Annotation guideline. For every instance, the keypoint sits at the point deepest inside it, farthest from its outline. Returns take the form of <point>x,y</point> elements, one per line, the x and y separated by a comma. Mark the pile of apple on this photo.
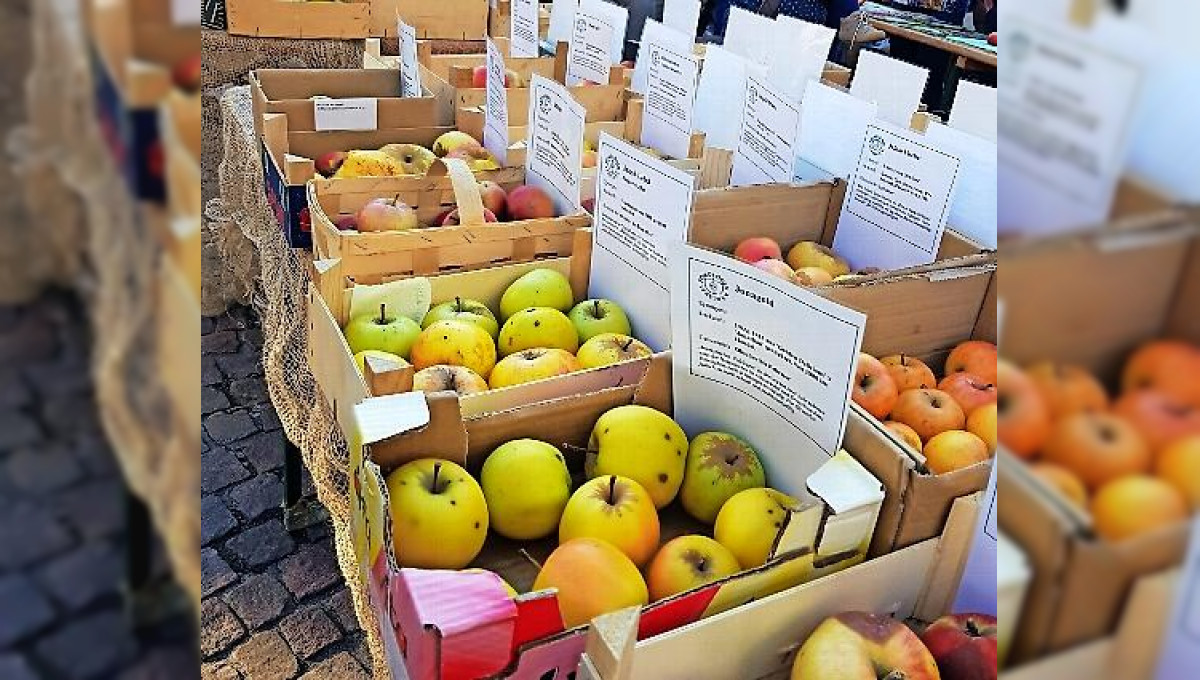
<point>391,214</point>
<point>860,645</point>
<point>638,461</point>
<point>544,334</point>
<point>405,160</point>
<point>808,263</point>
<point>1132,458</point>
<point>951,422</point>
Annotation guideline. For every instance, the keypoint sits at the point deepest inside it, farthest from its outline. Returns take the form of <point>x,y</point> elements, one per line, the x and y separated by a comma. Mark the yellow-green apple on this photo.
<point>811,276</point>
<point>464,309</point>
<point>954,449</point>
<point>592,578</point>
<point>526,484</point>
<point>719,465</point>
<point>494,198</point>
<point>537,327</point>
<point>970,391</point>
<point>386,214</point>
<point>909,372</point>
<point>360,359</point>
<point>537,288</point>
<point>963,645</point>
<point>758,248</point>
<point>863,646</point>
<point>446,378</point>
<point>328,163</point>
<point>611,348</point>
<point>750,522</point>
<point>451,141</point>
<point>439,515</point>
<point>982,423</point>
<point>1068,389</point>
<point>928,412</point>
<point>640,443</point>
<point>777,268</point>
<point>973,356</point>
<point>688,562</point>
<point>386,332</point>
<point>529,365</point>
<point>905,434</point>
<point>874,389</point>
<point>1023,420</point>
<point>596,316</point>
<point>457,343</point>
<point>530,203</point>
<point>813,254</point>
<point>613,509</point>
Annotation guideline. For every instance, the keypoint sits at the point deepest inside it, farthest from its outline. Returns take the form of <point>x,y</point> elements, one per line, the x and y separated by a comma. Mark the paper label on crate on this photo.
<point>898,200</point>
<point>974,110</point>
<point>801,49</point>
<point>643,207</point>
<point>750,35</point>
<point>718,115</point>
<point>410,69</point>
<point>977,589</point>
<point>553,157</point>
<point>832,126</point>
<point>357,113</point>
<point>973,209</point>
<point>654,33</point>
<point>767,144</point>
<point>185,12</point>
<point>683,16</point>
<point>562,19</point>
<point>523,28</point>
<point>761,357</point>
<point>588,59</point>
<point>1182,646</point>
<point>495,128</point>
<point>670,100</point>
<point>894,85</point>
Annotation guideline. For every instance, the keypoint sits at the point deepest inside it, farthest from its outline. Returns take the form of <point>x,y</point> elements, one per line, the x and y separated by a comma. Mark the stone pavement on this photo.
<point>275,606</point>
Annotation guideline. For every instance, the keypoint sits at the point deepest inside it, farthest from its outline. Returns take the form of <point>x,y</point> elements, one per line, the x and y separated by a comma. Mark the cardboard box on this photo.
<point>760,639</point>
<point>357,19</point>
<point>1012,582</point>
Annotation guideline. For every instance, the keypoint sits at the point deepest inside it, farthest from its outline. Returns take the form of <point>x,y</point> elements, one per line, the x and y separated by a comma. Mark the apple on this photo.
<point>346,223</point>
<point>537,327</point>
<point>614,509</point>
<point>968,390</point>
<point>811,276</point>
<point>963,645</point>
<point>445,378</point>
<point>1023,420</point>
<point>463,309</point>
<point>592,578</point>
<point>386,333</point>
<point>953,450</point>
<point>479,76</point>
<point>588,159</point>
<point>451,141</point>
<point>439,515</point>
<point>905,434</point>
<point>813,254</point>
<point>537,288</point>
<point>1136,504</point>
<point>187,72</point>
<point>992,38</point>
<point>611,348</point>
<point>973,356</point>
<point>1179,464</point>
<point>874,389</point>
<point>589,204</point>
<point>1058,477</point>
<point>982,423</point>
<point>513,79</point>
<point>688,562</point>
<point>494,198</point>
<point>775,268</point>
<point>719,465</point>
<point>596,316</point>
<point>384,214</point>
<point>750,522</point>
<point>640,443</point>
<point>1068,389</point>
<point>527,485</point>
<point>528,365</point>
<point>328,163</point>
<point>451,219</point>
<point>1160,418</point>
<point>929,413</point>
<point>456,343</point>
<point>909,372</point>
<point>1098,447</point>
<point>758,248</point>
<point>863,646</point>
<point>1171,367</point>
<point>475,156</point>
<point>530,203</point>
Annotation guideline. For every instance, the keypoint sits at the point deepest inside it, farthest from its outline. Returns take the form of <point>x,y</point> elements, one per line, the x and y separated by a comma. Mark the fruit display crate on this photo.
<point>1080,580</point>
<point>135,50</point>
<point>500,19</point>
<point>180,124</point>
<point>482,631</point>
<point>357,19</point>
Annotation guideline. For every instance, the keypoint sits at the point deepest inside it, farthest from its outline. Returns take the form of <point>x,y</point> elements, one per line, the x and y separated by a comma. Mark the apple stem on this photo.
<point>458,304</point>
<point>612,489</point>
<point>396,200</point>
<point>972,629</point>
<point>382,313</point>
<point>437,469</point>
<point>597,312</point>
<point>573,448</point>
<point>625,347</point>
<point>894,675</point>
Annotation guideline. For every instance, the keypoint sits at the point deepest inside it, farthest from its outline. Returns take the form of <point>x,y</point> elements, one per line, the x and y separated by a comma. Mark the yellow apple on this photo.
<point>456,343</point>
<point>750,522</point>
<point>613,509</point>
<point>611,348</point>
<point>360,359</point>
<point>526,484</point>
<point>719,465</point>
<point>537,327</point>
<point>982,423</point>
<point>864,646</point>
<point>642,444</point>
<point>439,515</point>
<point>592,578</point>
<point>530,365</point>
<point>813,254</point>
<point>688,562</point>
<point>445,378</point>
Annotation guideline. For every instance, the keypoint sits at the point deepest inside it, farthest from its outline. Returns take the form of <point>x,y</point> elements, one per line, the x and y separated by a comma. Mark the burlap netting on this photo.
<point>281,303</point>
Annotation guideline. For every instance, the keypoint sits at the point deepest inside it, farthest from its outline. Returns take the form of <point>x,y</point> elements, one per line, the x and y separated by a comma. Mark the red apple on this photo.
<point>992,38</point>
<point>328,163</point>
<point>970,391</point>
<point>451,219</point>
<point>589,204</point>
<point>874,389</point>
<point>346,223</point>
<point>186,73</point>
<point>529,203</point>
<point>386,214</point>
<point>1159,417</point>
<point>479,76</point>
<point>758,248</point>
<point>861,646</point>
<point>964,646</point>
<point>494,197</point>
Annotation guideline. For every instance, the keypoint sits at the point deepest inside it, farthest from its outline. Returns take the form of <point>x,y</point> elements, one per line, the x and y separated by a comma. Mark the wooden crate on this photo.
<point>500,20</point>
<point>345,20</point>
<point>432,20</point>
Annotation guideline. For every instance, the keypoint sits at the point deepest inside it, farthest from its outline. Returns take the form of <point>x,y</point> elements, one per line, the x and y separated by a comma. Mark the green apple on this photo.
<point>537,327</point>
<point>537,288</point>
<point>611,348</point>
<point>527,485</point>
<point>439,515</point>
<point>642,444</point>
<point>596,316</point>
<point>719,465</point>
<point>463,309</point>
<point>386,333</point>
<point>613,509</point>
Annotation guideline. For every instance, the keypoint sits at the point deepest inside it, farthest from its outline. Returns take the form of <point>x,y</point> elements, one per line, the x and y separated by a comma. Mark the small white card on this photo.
<point>977,589</point>
<point>766,149</point>
<point>643,206</point>
<point>750,35</point>
<point>683,16</point>
<point>719,115</point>
<point>898,201</point>
<point>894,85</point>
<point>832,126</point>
<point>495,129</point>
<point>974,110</point>
<point>562,21</point>
<point>523,28</point>
<point>185,12</point>
<point>760,356</point>
<point>553,158</point>
<point>973,210</point>
<point>1182,646</point>
<point>410,70</point>
<point>617,16</point>
<point>801,51</point>
<point>670,100</point>
<point>356,113</point>
<point>588,58</point>
<point>654,33</point>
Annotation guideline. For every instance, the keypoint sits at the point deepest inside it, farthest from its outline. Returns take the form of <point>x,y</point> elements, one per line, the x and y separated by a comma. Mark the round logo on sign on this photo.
<point>713,286</point>
<point>876,145</point>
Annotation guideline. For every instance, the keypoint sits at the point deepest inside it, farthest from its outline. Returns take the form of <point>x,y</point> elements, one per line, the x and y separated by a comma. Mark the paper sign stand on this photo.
<point>554,146</point>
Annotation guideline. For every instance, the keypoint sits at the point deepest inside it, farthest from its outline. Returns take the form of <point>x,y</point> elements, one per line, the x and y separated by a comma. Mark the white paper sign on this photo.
<point>977,590</point>
<point>356,113</point>
<point>495,129</point>
<point>801,49</point>
<point>523,28</point>
<point>683,16</point>
<point>750,35</point>
<point>718,114</point>
<point>760,356</point>
<point>832,127</point>
<point>643,207</point>
<point>410,70</point>
<point>766,148</point>
<point>670,100</point>
<point>974,110</point>
<point>185,12</point>
<point>898,201</point>
<point>555,144</point>
<point>588,57</point>
<point>1182,647</point>
<point>894,85</point>
<point>618,17</point>
<point>654,33</point>
<point>973,210</point>
<point>562,21</point>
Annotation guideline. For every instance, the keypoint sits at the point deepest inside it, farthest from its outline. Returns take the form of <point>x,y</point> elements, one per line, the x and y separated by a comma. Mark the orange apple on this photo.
<point>758,248</point>
<point>952,450</point>
<point>973,356</point>
<point>1135,505</point>
<point>530,365</point>
<point>863,646</point>
<point>982,423</point>
<point>929,412</point>
<point>688,562</point>
<point>592,578</point>
<point>1179,464</point>
<point>909,373</point>
<point>1168,366</point>
<point>1098,447</point>
<point>494,198</point>
<point>616,510</point>
<point>1059,477</point>
<point>905,434</point>
<point>969,390</point>
<point>1161,418</point>
<point>1023,420</point>
<point>874,389</point>
<point>1068,389</point>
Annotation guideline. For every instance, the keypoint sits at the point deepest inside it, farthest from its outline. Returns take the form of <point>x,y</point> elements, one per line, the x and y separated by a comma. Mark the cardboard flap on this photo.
<point>442,435</point>
<point>844,484</point>
<point>381,418</point>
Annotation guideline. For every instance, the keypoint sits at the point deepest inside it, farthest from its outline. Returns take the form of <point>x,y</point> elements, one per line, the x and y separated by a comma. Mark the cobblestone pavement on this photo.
<point>275,606</point>
<point>62,522</point>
